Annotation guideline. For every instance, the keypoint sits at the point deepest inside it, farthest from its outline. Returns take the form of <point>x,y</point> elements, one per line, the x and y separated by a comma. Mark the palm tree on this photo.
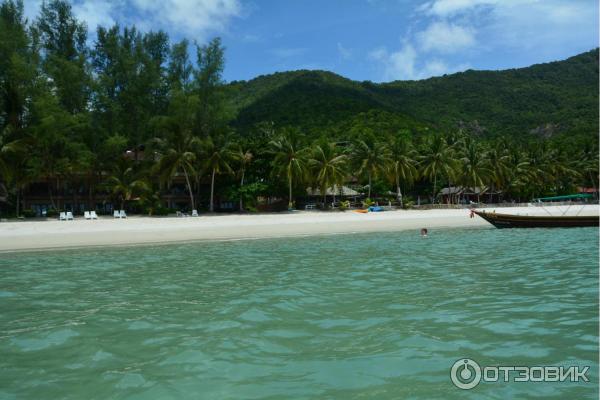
<point>217,156</point>
<point>329,167</point>
<point>178,152</point>
<point>290,160</point>
<point>13,157</point>
<point>437,158</point>
<point>402,164</point>
<point>370,158</point>
<point>474,171</point>
<point>243,156</point>
<point>520,173</point>
<point>125,184</point>
<point>498,165</point>
<point>588,165</point>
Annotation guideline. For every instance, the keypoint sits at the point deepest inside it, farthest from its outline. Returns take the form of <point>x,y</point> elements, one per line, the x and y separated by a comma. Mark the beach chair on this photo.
<point>70,216</point>
<point>194,213</point>
<point>86,215</point>
<point>93,215</point>
<point>62,216</point>
<point>116,214</point>
<point>122,214</point>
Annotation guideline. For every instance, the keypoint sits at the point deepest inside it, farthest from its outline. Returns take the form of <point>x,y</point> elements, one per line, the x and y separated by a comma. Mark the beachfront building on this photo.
<point>466,195</point>
<point>316,199</point>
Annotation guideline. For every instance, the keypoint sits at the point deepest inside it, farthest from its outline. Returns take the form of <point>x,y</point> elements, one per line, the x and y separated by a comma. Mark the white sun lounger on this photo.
<point>86,215</point>
<point>93,215</point>
<point>70,216</point>
<point>62,216</point>
<point>122,214</point>
<point>116,214</point>
<point>194,213</point>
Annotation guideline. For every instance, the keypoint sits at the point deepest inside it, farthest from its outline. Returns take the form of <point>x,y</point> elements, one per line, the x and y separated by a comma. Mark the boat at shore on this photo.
<point>537,221</point>
<point>501,220</point>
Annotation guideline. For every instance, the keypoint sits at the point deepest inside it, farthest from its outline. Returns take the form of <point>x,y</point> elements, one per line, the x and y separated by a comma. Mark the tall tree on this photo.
<point>401,164</point>
<point>17,68</point>
<point>180,68</point>
<point>473,170</point>
<point>178,145</point>
<point>437,158</point>
<point>63,39</point>
<point>370,158</point>
<point>243,156</point>
<point>289,161</point>
<point>217,156</point>
<point>17,76</point>
<point>208,85</point>
<point>329,167</point>
<point>498,165</point>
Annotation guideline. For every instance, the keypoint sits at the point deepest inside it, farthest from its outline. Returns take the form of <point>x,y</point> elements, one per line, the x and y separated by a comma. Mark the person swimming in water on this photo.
<point>424,232</point>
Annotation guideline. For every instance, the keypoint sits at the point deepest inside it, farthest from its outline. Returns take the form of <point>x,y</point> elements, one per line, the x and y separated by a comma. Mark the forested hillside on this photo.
<point>544,99</point>
<point>133,120</point>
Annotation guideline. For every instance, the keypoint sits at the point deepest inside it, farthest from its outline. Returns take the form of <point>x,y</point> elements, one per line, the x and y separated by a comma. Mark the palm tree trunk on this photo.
<point>50,195</point>
<point>212,191</point>
<point>434,188</point>
<point>398,190</point>
<point>187,180</point>
<point>593,185</point>
<point>241,186</point>
<point>18,201</point>
<point>290,194</point>
<point>91,205</point>
<point>369,195</point>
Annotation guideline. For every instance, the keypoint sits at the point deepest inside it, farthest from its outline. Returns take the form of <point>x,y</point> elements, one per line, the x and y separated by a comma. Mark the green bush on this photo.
<point>52,213</point>
<point>344,205</point>
<point>407,205</point>
<point>368,203</point>
<point>161,211</point>
<point>29,213</point>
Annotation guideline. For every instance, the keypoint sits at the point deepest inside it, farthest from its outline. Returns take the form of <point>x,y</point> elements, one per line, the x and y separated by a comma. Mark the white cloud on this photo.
<point>545,25</point>
<point>401,64</point>
<point>378,54</point>
<point>192,18</point>
<point>446,8</point>
<point>447,32</point>
<point>344,53</point>
<point>446,37</point>
<point>94,13</point>
<point>406,64</point>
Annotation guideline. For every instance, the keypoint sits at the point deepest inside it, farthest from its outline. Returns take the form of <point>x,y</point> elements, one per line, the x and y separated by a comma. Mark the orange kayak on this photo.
<point>361,211</point>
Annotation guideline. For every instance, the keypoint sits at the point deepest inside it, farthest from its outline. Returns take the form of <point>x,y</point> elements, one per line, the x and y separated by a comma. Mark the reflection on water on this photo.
<point>353,316</point>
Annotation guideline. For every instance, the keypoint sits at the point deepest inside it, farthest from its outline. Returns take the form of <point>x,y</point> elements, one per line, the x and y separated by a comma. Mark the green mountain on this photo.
<point>544,99</point>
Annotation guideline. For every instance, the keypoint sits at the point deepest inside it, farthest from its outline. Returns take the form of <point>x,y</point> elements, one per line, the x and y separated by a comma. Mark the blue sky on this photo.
<point>377,40</point>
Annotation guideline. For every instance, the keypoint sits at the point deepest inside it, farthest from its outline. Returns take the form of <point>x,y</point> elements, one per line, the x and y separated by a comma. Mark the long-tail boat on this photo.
<point>539,221</point>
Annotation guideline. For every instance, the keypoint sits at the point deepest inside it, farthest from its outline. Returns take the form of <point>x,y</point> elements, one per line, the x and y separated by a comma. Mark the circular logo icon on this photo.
<point>465,374</point>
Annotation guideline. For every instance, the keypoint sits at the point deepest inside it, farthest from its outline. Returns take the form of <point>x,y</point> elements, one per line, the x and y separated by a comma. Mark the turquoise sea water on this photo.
<point>332,317</point>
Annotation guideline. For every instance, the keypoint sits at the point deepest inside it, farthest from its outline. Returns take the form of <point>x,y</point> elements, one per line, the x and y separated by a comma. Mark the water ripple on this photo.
<point>354,316</point>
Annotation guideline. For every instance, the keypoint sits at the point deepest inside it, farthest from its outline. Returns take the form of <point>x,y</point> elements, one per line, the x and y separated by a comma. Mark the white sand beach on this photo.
<point>41,235</point>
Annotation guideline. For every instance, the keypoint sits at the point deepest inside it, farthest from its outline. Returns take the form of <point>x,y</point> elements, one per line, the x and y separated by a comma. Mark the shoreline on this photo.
<point>105,232</point>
